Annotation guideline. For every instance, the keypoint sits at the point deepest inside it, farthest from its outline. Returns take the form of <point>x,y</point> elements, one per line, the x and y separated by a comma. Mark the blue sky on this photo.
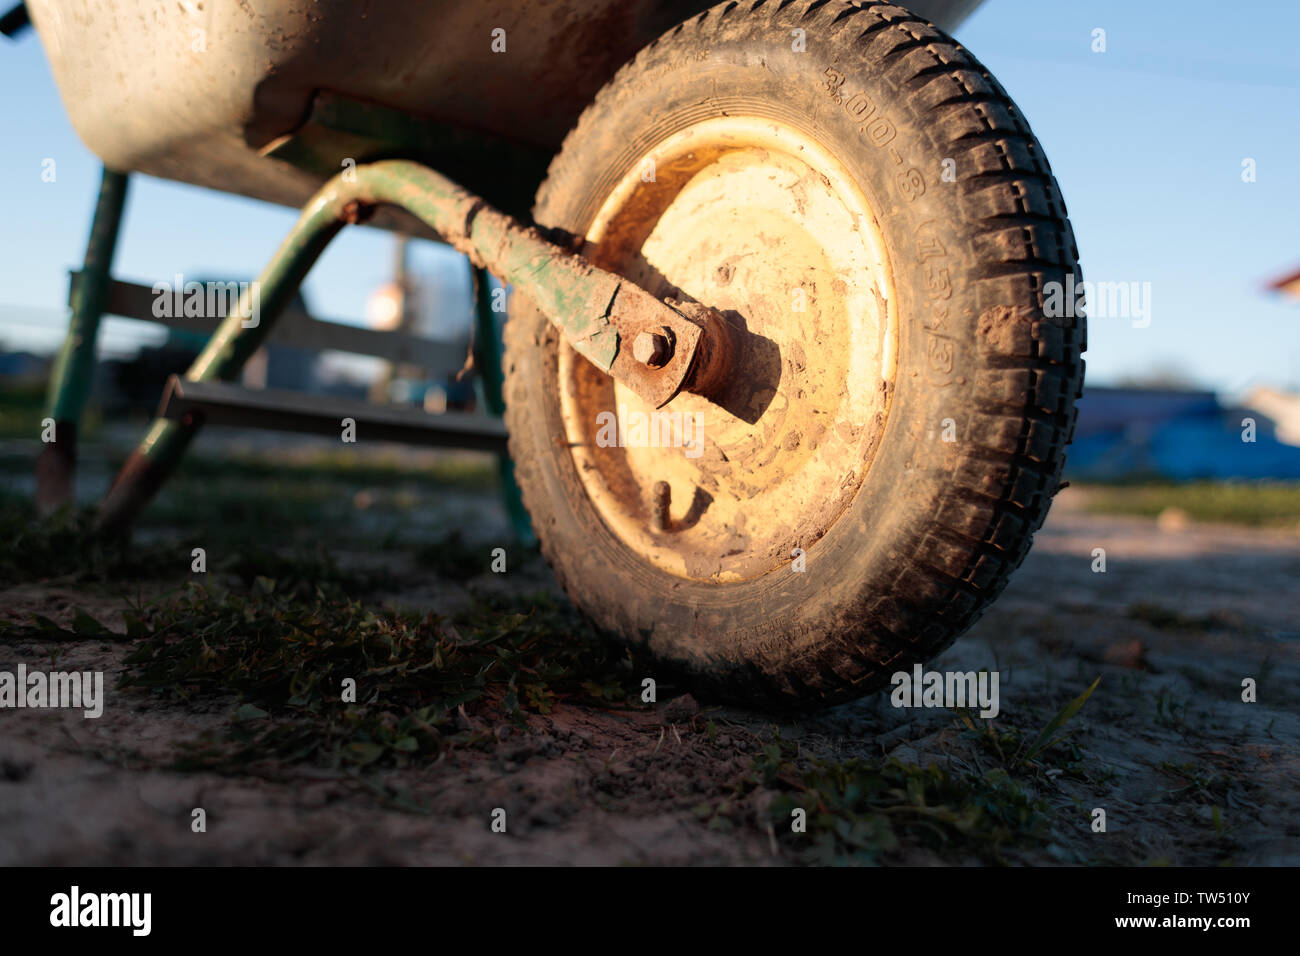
<point>1146,139</point>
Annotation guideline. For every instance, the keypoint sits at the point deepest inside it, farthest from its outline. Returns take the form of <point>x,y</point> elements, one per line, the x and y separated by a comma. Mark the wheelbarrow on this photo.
<point>784,397</point>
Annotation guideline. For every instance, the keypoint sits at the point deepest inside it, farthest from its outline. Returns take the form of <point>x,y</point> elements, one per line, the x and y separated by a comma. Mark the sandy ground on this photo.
<point>1165,740</point>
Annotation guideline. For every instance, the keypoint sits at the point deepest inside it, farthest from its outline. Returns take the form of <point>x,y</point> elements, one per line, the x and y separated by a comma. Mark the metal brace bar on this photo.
<point>220,403</point>
<point>595,310</point>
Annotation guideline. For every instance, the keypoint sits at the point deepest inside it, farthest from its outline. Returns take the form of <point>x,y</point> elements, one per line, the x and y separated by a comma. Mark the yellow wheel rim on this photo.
<point>754,219</point>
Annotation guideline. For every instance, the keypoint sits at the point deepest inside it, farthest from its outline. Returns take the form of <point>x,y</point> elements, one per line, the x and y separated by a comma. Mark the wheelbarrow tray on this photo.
<point>202,91</point>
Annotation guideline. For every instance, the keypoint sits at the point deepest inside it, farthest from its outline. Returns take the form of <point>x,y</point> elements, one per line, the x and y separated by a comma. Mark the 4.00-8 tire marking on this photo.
<point>878,130</point>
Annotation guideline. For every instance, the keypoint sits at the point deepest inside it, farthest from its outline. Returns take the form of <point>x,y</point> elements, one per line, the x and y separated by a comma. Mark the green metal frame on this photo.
<point>488,363</point>
<point>74,368</point>
<point>233,344</point>
<point>561,285</point>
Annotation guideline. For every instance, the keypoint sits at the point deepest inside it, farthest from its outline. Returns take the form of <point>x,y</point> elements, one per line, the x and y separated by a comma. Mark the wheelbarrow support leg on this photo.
<point>240,334</point>
<point>487,360</point>
<point>74,368</point>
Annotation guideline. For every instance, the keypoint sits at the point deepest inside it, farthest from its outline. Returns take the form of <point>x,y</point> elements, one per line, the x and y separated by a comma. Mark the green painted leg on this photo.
<point>487,362</point>
<point>74,368</point>
<point>240,334</point>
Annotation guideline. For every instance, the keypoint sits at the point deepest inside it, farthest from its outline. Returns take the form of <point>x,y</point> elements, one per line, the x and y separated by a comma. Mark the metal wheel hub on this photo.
<point>754,220</point>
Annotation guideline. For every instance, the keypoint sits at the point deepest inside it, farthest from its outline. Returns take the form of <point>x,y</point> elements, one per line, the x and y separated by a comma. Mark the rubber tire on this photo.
<point>936,527</point>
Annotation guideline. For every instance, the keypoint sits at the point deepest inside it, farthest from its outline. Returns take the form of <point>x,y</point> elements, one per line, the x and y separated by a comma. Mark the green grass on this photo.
<point>1169,619</point>
<point>254,540</point>
<point>871,811</point>
<point>1246,503</point>
<point>21,410</point>
<point>343,466</point>
<point>22,407</point>
<point>247,505</point>
<point>238,501</point>
<point>451,557</point>
<point>1014,751</point>
<point>867,812</point>
<point>63,548</point>
<point>277,658</point>
<point>274,628</point>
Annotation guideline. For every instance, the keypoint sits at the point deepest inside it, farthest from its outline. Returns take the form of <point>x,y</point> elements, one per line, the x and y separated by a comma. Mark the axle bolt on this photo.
<point>653,349</point>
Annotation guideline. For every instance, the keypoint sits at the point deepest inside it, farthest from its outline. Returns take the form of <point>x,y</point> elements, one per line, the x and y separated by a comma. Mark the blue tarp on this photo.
<point>1178,435</point>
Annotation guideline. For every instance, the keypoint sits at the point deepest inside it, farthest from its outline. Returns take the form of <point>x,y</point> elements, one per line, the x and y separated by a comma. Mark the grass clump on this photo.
<point>1167,619</point>
<point>1016,752</point>
<point>865,812</point>
<point>871,811</point>
<point>423,683</point>
<point>454,558</point>
<point>63,547</point>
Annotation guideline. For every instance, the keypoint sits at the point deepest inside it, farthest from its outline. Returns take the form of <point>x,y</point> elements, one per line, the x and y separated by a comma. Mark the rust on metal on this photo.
<point>356,212</point>
<point>653,348</point>
<point>714,357</point>
<point>661,503</point>
<point>635,312</point>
